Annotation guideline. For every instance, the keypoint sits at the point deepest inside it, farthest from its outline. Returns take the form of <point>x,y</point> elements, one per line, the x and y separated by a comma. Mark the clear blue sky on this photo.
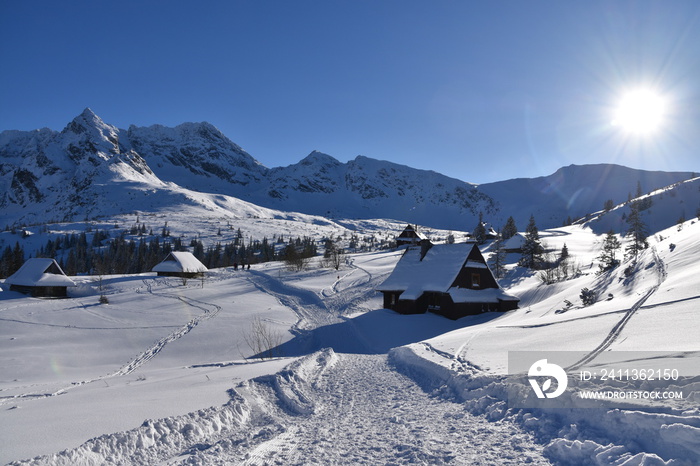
<point>478,90</point>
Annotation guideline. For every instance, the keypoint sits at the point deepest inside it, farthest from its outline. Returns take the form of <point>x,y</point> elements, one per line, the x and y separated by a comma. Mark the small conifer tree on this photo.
<point>532,250</point>
<point>607,258</point>
<point>637,231</point>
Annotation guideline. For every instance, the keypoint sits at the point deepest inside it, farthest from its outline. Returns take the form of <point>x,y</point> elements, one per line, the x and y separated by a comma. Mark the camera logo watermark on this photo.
<point>542,369</point>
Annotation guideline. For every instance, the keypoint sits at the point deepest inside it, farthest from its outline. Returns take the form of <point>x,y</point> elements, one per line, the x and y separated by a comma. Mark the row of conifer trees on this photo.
<point>100,254</point>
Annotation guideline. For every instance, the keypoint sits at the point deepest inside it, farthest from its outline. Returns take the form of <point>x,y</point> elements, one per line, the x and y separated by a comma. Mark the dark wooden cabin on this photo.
<point>42,278</point>
<point>449,279</point>
<point>410,236</point>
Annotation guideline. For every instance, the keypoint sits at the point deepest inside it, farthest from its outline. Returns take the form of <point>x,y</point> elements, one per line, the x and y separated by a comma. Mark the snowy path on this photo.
<point>352,290</point>
<point>307,305</point>
<point>315,310</point>
<point>361,411</point>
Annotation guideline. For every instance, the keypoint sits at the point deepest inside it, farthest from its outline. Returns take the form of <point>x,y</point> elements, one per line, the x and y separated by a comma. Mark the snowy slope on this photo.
<point>653,311</point>
<point>667,207</point>
<point>75,371</point>
<point>196,156</point>
<point>573,191</point>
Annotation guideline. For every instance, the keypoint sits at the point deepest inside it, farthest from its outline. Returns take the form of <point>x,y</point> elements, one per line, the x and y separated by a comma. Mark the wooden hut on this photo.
<point>40,277</point>
<point>515,243</point>
<point>180,264</point>
<point>449,279</point>
<point>410,236</point>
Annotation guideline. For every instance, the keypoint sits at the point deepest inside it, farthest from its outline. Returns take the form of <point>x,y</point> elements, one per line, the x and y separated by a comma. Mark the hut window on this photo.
<point>476,280</point>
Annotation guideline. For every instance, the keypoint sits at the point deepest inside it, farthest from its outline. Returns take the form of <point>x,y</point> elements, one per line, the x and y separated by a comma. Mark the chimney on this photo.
<point>425,246</point>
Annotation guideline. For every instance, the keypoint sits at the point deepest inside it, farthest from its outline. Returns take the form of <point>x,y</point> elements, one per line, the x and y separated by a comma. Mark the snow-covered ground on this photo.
<point>160,376</point>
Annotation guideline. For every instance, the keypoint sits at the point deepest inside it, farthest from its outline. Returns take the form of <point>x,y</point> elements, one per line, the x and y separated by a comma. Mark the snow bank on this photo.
<point>597,436</point>
<point>158,440</point>
<point>290,384</point>
<point>154,440</point>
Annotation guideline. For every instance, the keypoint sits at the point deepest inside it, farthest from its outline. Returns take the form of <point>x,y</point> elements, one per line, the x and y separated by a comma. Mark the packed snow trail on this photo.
<point>359,410</point>
<point>307,305</point>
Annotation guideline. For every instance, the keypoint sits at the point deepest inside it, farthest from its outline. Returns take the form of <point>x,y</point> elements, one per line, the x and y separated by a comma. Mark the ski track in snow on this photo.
<point>310,309</point>
<point>660,269</point>
<point>313,309</point>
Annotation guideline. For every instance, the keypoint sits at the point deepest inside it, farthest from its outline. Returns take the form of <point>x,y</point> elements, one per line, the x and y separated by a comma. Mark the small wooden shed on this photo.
<point>40,277</point>
<point>180,264</point>
<point>449,279</point>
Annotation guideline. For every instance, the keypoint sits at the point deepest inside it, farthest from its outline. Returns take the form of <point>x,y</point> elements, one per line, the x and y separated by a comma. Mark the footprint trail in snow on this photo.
<point>365,412</point>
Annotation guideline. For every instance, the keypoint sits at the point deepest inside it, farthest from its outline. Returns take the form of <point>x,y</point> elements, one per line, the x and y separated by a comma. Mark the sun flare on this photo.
<point>640,112</point>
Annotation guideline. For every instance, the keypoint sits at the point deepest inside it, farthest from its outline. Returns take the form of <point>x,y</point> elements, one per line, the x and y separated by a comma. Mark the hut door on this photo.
<point>434,301</point>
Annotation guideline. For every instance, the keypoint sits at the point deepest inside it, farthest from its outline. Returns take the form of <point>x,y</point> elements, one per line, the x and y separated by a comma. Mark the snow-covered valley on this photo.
<point>300,364</point>
<point>163,374</point>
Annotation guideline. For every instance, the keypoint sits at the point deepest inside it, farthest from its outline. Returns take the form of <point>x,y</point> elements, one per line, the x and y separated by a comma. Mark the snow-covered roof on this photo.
<point>180,261</point>
<point>436,272</point>
<point>514,242</point>
<point>40,272</point>
<point>411,232</point>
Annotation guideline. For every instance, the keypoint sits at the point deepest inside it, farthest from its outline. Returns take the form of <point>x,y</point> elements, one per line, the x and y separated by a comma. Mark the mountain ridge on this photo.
<point>91,164</point>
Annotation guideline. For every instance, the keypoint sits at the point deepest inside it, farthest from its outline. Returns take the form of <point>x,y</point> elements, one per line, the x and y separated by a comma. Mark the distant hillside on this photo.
<point>662,208</point>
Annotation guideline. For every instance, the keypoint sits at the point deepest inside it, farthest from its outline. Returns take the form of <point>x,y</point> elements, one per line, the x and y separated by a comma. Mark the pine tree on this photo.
<point>607,257</point>
<point>480,230</point>
<point>510,229</point>
<point>532,250</point>
<point>17,258</point>
<point>637,230</point>
<point>498,258</point>
<point>564,253</point>
<point>6,263</point>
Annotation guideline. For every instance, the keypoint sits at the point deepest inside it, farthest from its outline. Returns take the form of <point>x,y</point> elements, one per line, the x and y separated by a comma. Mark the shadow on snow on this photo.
<point>375,332</point>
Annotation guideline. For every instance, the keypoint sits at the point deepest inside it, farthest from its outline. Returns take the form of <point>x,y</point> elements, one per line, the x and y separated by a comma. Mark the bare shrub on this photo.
<point>263,341</point>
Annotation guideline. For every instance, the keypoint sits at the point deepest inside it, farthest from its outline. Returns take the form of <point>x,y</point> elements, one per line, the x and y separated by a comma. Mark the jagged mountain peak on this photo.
<point>88,134</point>
<point>202,137</point>
<point>87,113</point>
<point>319,158</point>
<point>85,121</point>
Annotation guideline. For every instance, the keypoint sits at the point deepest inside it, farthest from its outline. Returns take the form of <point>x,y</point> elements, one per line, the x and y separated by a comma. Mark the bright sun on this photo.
<point>640,112</point>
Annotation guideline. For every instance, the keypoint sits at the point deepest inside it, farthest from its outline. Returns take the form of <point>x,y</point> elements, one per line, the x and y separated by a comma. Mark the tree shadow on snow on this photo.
<point>376,332</point>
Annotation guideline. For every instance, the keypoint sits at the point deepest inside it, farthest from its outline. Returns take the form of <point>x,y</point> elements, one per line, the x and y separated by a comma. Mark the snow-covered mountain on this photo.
<point>80,171</point>
<point>196,156</point>
<point>575,191</point>
<point>369,188</point>
<point>429,389</point>
<point>660,209</point>
<point>93,169</point>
